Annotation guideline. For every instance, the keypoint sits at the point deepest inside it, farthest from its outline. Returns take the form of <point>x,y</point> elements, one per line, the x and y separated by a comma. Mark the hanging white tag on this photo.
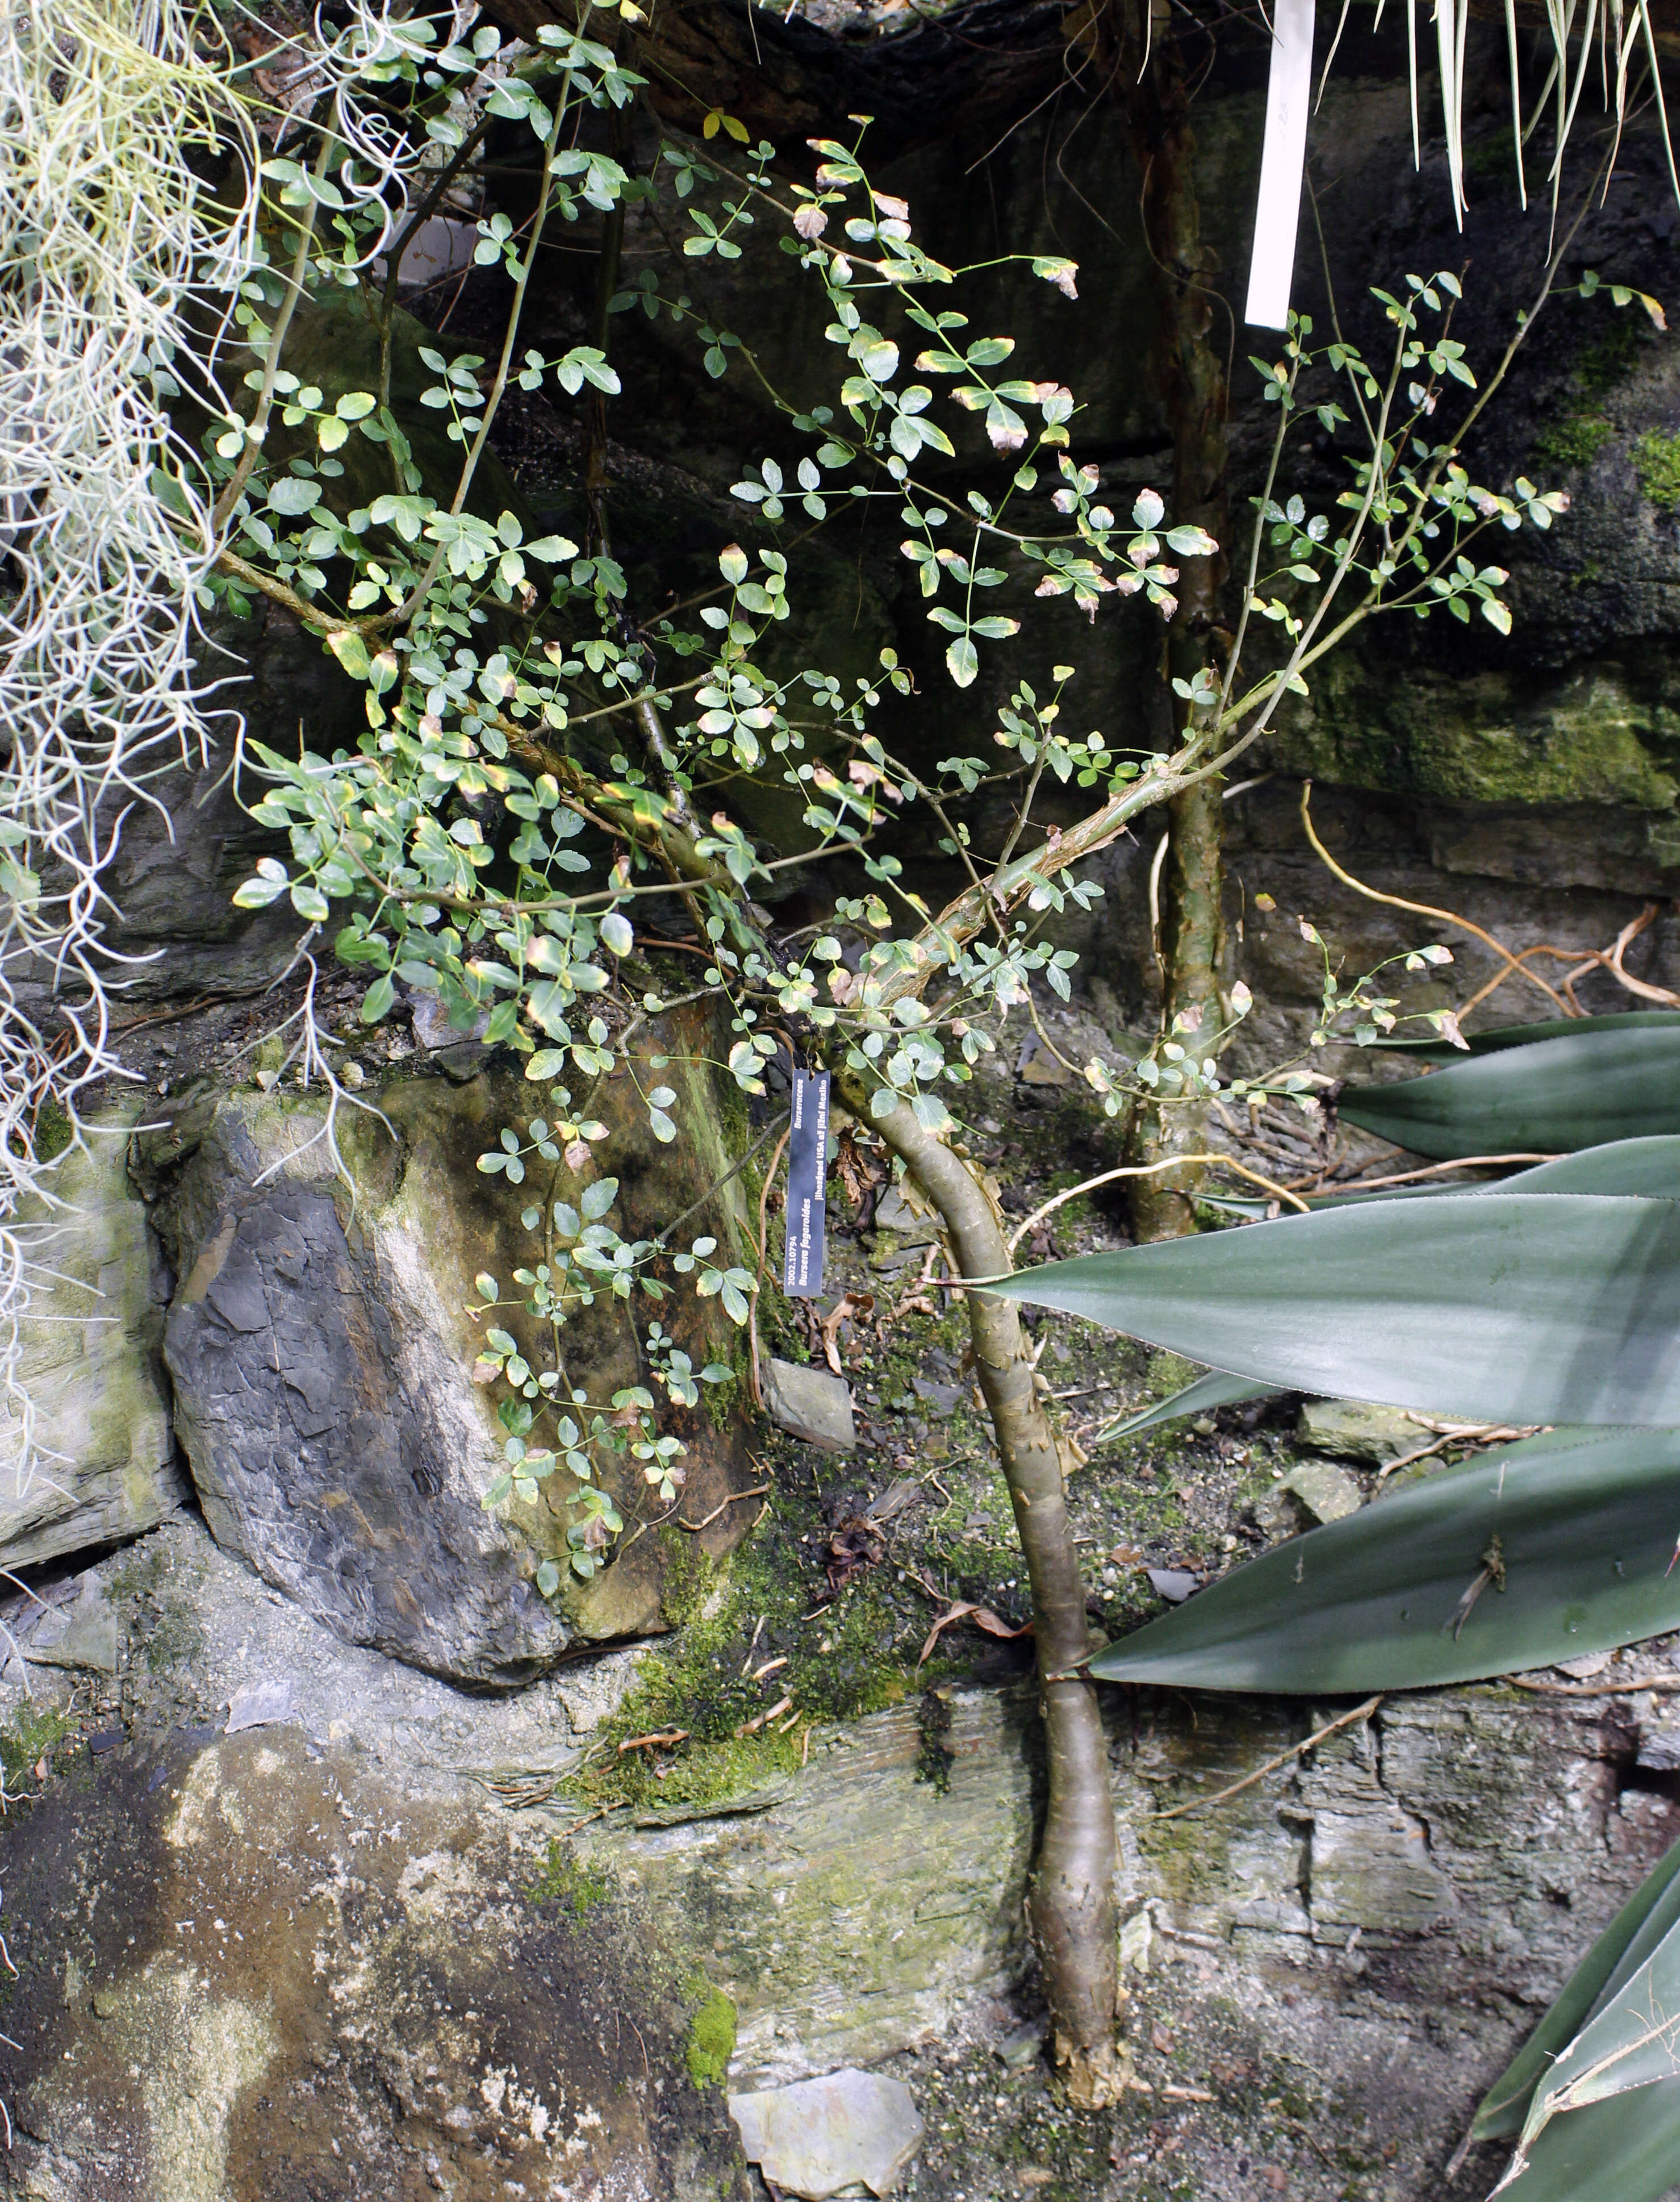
<point>1289,94</point>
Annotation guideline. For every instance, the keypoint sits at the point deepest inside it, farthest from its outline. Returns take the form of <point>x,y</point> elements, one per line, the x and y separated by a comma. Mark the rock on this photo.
<point>334,1438</point>
<point>894,1213</point>
<point>1326,1493</point>
<point>205,1638</point>
<point>262,1704</point>
<point>82,1636</point>
<point>1022,2045</point>
<point>819,2136</point>
<point>947,1398</point>
<point>1173,1584</point>
<point>432,1028</point>
<point>1583,1668</point>
<point>1356,1430</point>
<point>248,1970</point>
<point>90,1362</point>
<point>810,1404</point>
<point>857,1912</point>
<point>322,1361</point>
<point>1038,1067</point>
<point>180,854</point>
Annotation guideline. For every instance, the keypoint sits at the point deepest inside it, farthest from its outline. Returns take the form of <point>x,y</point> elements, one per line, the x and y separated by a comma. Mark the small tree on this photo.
<point>477,845</point>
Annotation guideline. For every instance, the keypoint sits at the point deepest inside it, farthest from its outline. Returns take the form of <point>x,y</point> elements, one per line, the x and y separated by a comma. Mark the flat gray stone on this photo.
<point>82,1637</point>
<point>262,1705</point>
<point>894,1213</point>
<point>1357,1430</point>
<point>1326,1493</point>
<point>947,1398</point>
<point>821,2136</point>
<point>1173,1584</point>
<point>812,1405</point>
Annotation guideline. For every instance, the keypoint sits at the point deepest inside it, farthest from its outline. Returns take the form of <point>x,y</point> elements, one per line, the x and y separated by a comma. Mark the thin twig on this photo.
<point>1422,908</point>
<point>1434,1170</point>
<point>1145,1169</point>
<point>1346,1720</point>
<point>757,1491</point>
<point>660,1737</point>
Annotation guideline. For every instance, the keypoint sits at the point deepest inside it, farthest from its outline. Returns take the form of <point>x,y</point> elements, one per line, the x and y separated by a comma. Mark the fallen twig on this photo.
<point>981,1615</point>
<point>751,1728</point>
<point>757,1491</point>
<point>1344,1720</point>
<point>1514,968</point>
<point>1407,1177</point>
<point>1147,1169</point>
<point>1459,1433</point>
<point>653,1742</point>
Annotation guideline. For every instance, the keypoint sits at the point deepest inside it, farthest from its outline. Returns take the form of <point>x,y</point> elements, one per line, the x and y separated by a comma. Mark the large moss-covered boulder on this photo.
<point>322,1349</point>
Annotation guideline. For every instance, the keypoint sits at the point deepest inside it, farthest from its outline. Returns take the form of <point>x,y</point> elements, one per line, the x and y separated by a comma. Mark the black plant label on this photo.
<point>807,1173</point>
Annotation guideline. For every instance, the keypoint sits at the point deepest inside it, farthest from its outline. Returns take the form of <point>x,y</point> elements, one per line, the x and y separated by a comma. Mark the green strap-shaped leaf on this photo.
<point>1650,1167</point>
<point>1648,1916</point>
<point>1625,2150</point>
<point>1577,1089</point>
<point>1215,1389</point>
<point>1529,1308</point>
<point>1535,1552</point>
<point>1628,2055</point>
<point>1435,1050</point>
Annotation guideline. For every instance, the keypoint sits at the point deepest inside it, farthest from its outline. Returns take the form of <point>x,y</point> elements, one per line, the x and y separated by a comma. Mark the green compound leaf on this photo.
<point>1579,1525</point>
<point>1526,1308</point>
<point>1609,1077</point>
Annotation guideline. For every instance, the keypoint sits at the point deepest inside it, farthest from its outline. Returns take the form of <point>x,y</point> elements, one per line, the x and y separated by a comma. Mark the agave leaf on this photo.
<point>1650,1167</point>
<point>1632,1935</point>
<point>1215,1389</point>
<point>1629,2043</point>
<point>1406,1594</point>
<point>1578,1089</point>
<point>1435,1050</point>
<point>1552,1307</point>
<point>1625,2150</point>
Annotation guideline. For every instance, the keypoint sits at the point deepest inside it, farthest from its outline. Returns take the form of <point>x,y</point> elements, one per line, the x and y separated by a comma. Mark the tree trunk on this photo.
<point>1070,1898</point>
<point>1193,379</point>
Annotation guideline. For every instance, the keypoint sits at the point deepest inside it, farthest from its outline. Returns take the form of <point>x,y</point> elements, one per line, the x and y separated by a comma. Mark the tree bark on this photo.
<point>1194,381</point>
<point>1070,1898</point>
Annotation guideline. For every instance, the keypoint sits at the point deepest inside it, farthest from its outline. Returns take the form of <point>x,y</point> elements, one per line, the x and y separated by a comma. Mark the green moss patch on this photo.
<point>577,1884</point>
<point>1656,461</point>
<point>1574,440</point>
<point>711,2040</point>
